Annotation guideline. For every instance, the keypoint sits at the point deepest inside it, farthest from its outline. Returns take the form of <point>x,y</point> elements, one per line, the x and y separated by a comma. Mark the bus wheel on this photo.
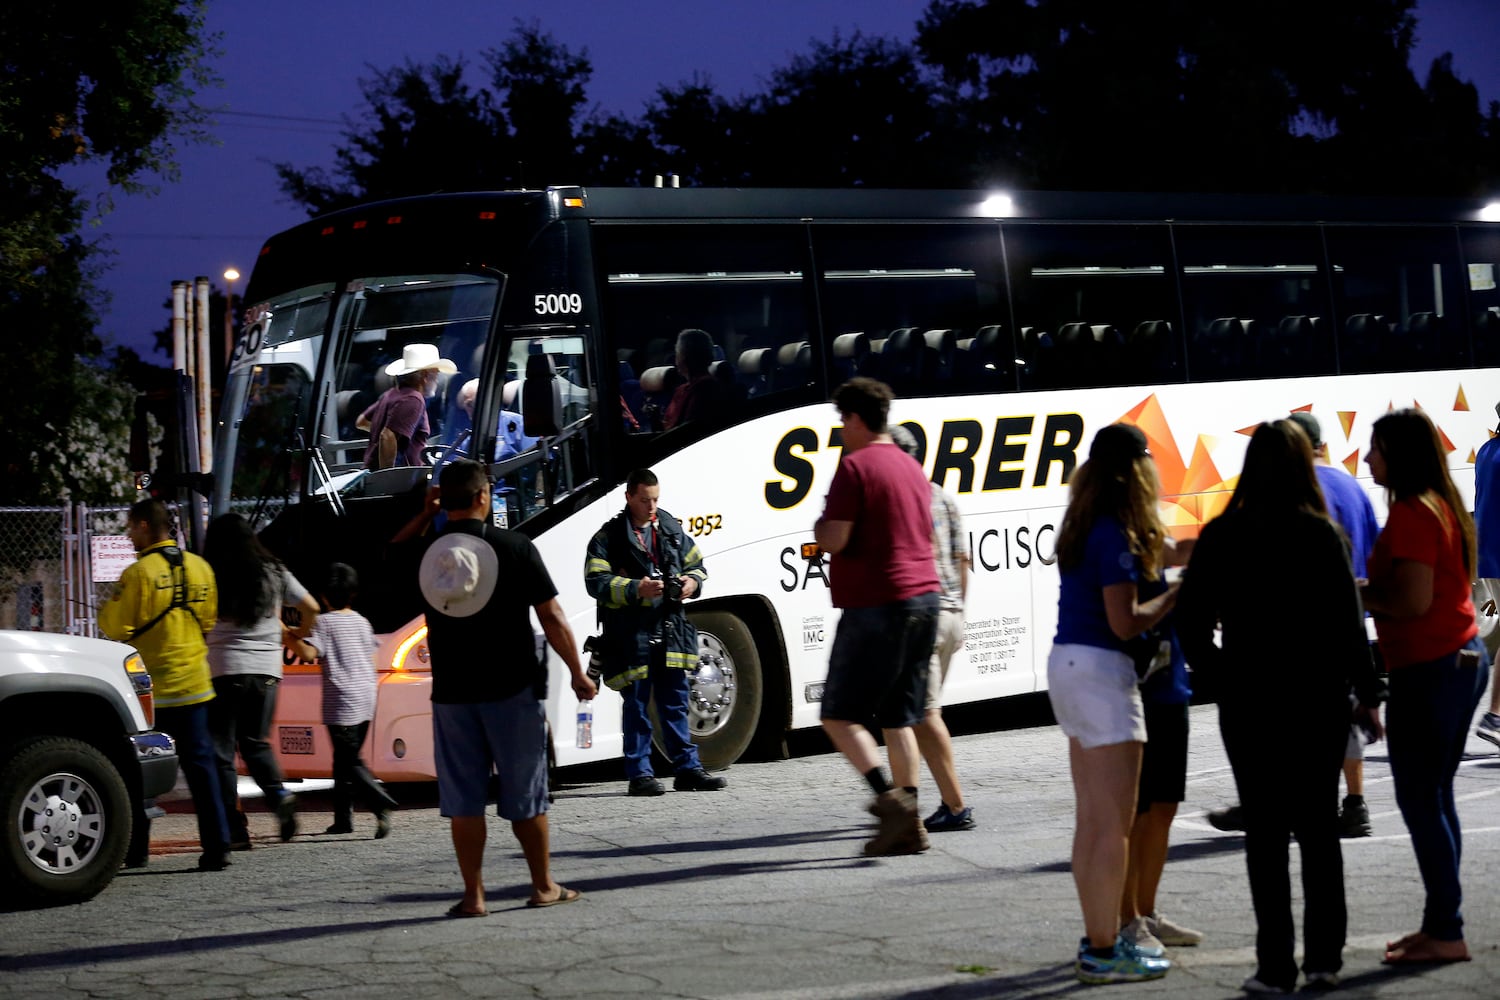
<point>724,696</point>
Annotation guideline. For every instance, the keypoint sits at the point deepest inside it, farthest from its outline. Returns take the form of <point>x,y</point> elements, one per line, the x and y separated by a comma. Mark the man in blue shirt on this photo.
<point>1487,526</point>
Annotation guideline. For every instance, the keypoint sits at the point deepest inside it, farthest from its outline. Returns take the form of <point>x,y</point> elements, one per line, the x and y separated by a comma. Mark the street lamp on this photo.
<point>230,277</point>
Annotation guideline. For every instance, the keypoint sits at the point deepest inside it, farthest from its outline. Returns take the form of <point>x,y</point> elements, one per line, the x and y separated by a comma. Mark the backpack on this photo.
<point>173,555</point>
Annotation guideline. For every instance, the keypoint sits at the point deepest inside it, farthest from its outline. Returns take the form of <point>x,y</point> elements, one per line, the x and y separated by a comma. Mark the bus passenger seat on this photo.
<point>725,373</point>
<point>1149,352</point>
<point>756,366</point>
<point>901,359</point>
<point>850,352</point>
<point>541,398</point>
<point>941,346</point>
<point>793,365</point>
<point>1075,358</point>
<point>984,360</point>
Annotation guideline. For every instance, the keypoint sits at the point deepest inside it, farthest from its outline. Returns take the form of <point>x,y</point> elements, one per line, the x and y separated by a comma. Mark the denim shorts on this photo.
<point>1094,695</point>
<point>511,736</point>
<point>878,667</point>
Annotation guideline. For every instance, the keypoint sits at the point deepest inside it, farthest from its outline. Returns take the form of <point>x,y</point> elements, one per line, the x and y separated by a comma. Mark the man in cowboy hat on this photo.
<point>488,687</point>
<point>397,421</point>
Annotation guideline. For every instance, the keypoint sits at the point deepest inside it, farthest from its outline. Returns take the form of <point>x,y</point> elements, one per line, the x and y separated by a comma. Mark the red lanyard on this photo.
<point>650,546</point>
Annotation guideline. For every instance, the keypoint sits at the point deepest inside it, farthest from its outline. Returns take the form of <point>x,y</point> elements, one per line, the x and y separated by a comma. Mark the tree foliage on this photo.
<point>1059,94</point>
<point>82,83</point>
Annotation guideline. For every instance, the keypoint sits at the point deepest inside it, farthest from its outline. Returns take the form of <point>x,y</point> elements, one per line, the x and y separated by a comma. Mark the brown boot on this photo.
<point>900,827</point>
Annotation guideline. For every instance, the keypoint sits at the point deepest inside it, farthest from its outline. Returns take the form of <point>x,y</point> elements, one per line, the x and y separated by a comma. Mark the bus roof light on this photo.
<point>393,220</point>
<point>572,202</point>
<point>1490,212</point>
<point>998,206</point>
<point>486,216</point>
<point>361,223</point>
<point>326,231</point>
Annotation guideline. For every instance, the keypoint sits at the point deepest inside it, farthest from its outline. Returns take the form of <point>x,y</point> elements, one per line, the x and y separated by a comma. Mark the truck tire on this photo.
<point>66,820</point>
<point>724,698</point>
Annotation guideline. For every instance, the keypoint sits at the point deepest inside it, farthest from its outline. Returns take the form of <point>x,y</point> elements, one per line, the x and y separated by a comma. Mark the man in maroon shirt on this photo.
<point>877,525</point>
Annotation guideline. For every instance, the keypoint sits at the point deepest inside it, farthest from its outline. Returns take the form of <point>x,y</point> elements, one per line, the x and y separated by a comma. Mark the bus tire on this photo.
<point>724,698</point>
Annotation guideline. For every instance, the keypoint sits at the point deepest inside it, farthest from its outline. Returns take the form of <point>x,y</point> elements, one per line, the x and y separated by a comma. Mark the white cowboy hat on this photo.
<point>458,574</point>
<point>416,357</point>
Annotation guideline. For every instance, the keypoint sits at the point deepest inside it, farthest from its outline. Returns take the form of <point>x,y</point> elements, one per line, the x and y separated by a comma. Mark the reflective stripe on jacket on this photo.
<point>616,563</point>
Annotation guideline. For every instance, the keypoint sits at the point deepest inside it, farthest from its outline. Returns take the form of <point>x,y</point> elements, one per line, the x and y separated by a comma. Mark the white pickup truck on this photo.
<point>78,763</point>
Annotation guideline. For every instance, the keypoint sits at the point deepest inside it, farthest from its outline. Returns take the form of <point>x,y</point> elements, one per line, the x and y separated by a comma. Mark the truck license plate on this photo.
<point>297,739</point>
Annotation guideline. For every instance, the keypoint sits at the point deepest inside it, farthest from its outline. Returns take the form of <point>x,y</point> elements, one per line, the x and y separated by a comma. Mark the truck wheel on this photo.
<point>66,821</point>
<point>724,696</point>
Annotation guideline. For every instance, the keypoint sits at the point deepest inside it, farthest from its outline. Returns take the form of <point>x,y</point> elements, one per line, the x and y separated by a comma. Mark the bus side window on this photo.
<point>1411,277</point>
<point>898,301</point>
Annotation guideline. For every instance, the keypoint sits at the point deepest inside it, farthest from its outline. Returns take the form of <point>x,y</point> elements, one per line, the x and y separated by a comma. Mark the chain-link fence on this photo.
<point>31,569</point>
<point>49,560</point>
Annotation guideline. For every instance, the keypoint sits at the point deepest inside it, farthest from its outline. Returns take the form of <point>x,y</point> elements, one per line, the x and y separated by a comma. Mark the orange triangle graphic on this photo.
<point>1201,474</point>
<point>1346,419</point>
<point>1302,409</point>
<point>1462,402</point>
<point>1351,464</point>
<point>1448,445</point>
<point>1247,431</point>
<point>1472,456</point>
<point>1147,416</point>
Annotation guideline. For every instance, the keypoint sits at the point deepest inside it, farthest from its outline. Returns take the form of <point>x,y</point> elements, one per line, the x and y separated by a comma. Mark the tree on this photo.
<point>88,82</point>
<point>1176,95</point>
<point>424,128</point>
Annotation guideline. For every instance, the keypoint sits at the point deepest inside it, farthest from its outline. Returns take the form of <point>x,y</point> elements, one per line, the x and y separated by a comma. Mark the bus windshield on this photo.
<point>267,399</point>
<point>380,321</point>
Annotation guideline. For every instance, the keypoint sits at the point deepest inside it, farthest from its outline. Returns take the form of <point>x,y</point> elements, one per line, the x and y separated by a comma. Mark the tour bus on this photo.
<point>1011,328</point>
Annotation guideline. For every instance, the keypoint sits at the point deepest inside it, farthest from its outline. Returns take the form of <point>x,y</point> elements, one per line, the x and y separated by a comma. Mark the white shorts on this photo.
<point>1094,695</point>
<point>950,638</point>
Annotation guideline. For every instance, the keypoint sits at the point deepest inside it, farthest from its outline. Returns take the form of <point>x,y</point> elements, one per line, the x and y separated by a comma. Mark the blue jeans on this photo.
<point>188,727</point>
<point>1427,724</point>
<point>670,686</point>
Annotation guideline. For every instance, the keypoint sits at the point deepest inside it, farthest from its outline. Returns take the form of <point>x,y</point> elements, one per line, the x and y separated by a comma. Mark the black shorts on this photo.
<point>877,669</point>
<point>1164,759</point>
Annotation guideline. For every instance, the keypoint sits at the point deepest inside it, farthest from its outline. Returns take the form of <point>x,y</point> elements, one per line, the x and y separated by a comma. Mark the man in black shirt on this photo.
<point>488,690</point>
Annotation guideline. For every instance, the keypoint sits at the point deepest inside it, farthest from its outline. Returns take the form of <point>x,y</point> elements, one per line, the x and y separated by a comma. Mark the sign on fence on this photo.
<point>110,555</point>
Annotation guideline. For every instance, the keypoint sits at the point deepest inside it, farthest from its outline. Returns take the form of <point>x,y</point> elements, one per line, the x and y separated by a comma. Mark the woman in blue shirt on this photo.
<point>1111,540</point>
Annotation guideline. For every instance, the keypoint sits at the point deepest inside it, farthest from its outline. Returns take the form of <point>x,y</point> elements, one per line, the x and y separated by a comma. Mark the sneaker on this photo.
<point>240,845</point>
<point>382,824</point>
<point>286,815</point>
<point>1171,934</point>
<point>698,780</point>
<point>1321,981</point>
<point>946,819</point>
<point>213,861</point>
<point>1489,728</point>
<point>1124,966</point>
<point>339,828</point>
<point>1254,985</point>
<point>900,830</point>
<point>1229,820</point>
<point>647,785</point>
<point>1137,937</point>
<point>1354,817</point>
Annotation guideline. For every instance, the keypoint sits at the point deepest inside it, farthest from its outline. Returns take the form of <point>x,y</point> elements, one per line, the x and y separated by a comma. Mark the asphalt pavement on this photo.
<point>756,892</point>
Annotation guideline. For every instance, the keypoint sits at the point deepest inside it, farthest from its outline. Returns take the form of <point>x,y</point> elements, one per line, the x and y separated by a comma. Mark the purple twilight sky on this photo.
<point>285,60</point>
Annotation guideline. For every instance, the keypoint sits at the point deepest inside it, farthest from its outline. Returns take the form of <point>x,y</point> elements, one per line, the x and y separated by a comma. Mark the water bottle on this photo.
<point>585,725</point>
